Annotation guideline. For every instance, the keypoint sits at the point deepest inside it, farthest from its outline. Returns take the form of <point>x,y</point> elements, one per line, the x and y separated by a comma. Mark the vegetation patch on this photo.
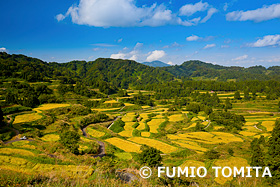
<point>176,118</point>
<point>50,138</point>
<point>26,118</point>
<point>154,124</point>
<point>94,133</point>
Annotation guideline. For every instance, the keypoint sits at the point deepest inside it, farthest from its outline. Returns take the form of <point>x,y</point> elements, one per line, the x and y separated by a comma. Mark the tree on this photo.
<point>237,95</point>
<point>150,156</point>
<point>246,95</point>
<point>274,152</point>
<point>70,140</point>
<point>279,106</point>
<point>228,104</point>
<point>1,117</point>
<point>257,158</point>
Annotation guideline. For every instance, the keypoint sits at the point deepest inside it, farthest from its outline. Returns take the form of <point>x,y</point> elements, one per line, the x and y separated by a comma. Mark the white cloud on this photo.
<point>190,9</point>
<point>126,54</point>
<point>155,55</point>
<point>209,46</point>
<point>210,13</point>
<point>225,46</point>
<point>103,45</point>
<point>120,40</point>
<point>170,63</point>
<point>240,58</point>
<point>258,15</point>
<point>3,49</point>
<point>269,40</point>
<point>60,17</point>
<point>225,6</point>
<point>193,38</point>
<point>125,13</point>
<point>118,56</point>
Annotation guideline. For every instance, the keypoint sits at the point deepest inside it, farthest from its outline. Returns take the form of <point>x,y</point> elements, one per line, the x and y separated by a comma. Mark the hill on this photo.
<point>156,64</point>
<point>202,70</point>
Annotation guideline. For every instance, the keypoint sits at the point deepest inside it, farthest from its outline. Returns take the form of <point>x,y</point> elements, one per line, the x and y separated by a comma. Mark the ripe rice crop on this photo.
<point>250,123</point>
<point>141,126</point>
<point>125,145</point>
<point>176,117</point>
<point>50,106</point>
<point>202,117</point>
<point>191,126</point>
<point>111,101</point>
<point>195,119</point>
<point>128,117</point>
<point>126,133</point>
<point>269,125</point>
<point>95,133</point>
<point>25,118</point>
<point>246,133</point>
<point>82,147</point>
<point>9,151</point>
<point>144,116</point>
<point>165,148</point>
<point>193,146</point>
<point>207,138</point>
<point>192,163</point>
<point>251,129</point>
<point>25,166</point>
<point>230,162</point>
<point>145,134</point>
<point>124,156</point>
<point>104,109</point>
<point>128,104</point>
<point>154,124</point>
<point>264,134</point>
<point>50,138</point>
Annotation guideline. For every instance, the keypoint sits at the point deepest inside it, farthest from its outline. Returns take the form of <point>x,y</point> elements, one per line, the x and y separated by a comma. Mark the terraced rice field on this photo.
<point>105,109</point>
<point>10,151</point>
<point>206,138</point>
<point>165,148</point>
<point>82,147</point>
<point>26,166</point>
<point>141,126</point>
<point>50,138</point>
<point>250,129</point>
<point>176,118</point>
<point>111,101</point>
<point>192,163</point>
<point>231,162</point>
<point>94,133</point>
<point>128,117</point>
<point>145,134</point>
<point>154,124</point>
<point>25,118</point>
<point>124,156</point>
<point>269,125</point>
<point>144,116</point>
<point>50,106</point>
<point>125,145</point>
<point>190,145</point>
<point>246,133</point>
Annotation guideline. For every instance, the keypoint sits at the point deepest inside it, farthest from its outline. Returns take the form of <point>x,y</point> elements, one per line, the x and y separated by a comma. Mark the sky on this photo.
<point>225,32</point>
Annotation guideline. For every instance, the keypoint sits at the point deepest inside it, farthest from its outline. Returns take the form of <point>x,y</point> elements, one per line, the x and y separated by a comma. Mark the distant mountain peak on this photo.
<point>156,64</point>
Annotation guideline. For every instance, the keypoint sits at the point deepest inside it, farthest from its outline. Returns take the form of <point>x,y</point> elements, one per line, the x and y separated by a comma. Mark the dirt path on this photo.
<point>118,117</point>
<point>257,128</point>
<point>208,125</point>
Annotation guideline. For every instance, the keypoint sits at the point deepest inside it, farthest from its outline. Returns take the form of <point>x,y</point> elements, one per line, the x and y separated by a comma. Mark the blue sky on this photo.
<point>226,32</point>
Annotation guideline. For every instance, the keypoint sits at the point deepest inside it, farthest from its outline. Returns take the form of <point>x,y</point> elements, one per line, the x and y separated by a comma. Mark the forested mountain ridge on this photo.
<point>119,73</point>
<point>125,73</point>
<point>196,68</point>
<point>156,64</point>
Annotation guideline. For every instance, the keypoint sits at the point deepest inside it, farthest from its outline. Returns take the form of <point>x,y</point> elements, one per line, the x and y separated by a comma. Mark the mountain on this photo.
<point>197,69</point>
<point>156,64</point>
<point>116,72</point>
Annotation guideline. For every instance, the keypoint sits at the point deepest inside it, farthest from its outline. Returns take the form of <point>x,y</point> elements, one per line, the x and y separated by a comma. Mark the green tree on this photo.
<point>228,104</point>
<point>70,140</point>
<point>279,106</point>
<point>237,95</point>
<point>150,156</point>
<point>1,117</point>
<point>246,95</point>
<point>274,152</point>
<point>257,158</point>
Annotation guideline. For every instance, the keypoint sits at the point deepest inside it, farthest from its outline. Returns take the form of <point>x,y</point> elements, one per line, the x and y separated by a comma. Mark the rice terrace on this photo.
<point>109,93</point>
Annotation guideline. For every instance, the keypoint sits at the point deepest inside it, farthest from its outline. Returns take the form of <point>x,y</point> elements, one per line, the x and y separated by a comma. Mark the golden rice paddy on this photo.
<point>176,118</point>
<point>269,125</point>
<point>154,124</point>
<point>230,162</point>
<point>9,151</point>
<point>246,133</point>
<point>141,126</point>
<point>125,145</point>
<point>124,156</point>
<point>50,138</point>
<point>145,134</point>
<point>165,148</point>
<point>190,145</point>
<point>25,118</point>
<point>104,109</point>
<point>50,106</point>
<point>95,133</point>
